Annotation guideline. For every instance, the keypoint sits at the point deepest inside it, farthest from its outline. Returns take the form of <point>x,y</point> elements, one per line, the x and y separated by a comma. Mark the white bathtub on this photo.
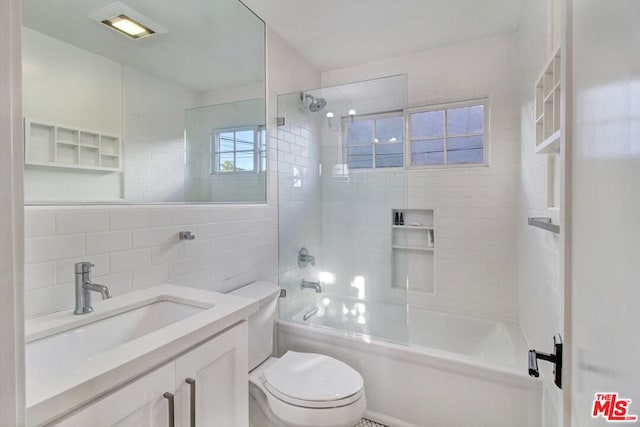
<point>423,368</point>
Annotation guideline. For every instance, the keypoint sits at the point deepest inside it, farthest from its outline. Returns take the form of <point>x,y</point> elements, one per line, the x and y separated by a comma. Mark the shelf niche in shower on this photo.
<point>413,247</point>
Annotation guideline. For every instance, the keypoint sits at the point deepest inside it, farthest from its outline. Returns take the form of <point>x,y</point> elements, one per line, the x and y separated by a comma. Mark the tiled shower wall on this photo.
<point>476,207</point>
<point>135,247</point>
<point>299,195</point>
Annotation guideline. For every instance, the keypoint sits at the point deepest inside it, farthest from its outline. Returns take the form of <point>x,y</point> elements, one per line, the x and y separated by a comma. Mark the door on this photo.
<point>603,290</point>
<point>138,404</point>
<point>216,373</point>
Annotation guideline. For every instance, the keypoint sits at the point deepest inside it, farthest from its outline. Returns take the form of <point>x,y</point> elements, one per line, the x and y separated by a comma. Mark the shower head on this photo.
<point>316,104</point>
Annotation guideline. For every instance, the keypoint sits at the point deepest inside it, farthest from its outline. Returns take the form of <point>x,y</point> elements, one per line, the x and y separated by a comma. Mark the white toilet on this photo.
<point>298,389</point>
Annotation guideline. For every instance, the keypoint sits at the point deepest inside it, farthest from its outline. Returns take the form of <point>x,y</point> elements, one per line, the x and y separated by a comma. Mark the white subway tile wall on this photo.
<point>299,194</point>
<point>476,208</point>
<point>540,285</point>
<point>134,247</point>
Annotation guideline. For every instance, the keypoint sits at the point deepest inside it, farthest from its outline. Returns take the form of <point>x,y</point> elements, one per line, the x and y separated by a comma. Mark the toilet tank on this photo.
<point>262,322</point>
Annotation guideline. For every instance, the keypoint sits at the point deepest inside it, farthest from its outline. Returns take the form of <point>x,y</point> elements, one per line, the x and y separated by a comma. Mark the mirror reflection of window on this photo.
<point>240,150</point>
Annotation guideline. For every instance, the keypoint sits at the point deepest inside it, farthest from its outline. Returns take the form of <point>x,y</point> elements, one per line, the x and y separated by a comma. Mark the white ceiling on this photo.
<point>211,44</point>
<point>333,34</point>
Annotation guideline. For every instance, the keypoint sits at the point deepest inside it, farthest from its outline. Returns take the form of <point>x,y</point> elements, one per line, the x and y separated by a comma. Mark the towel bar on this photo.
<point>545,224</point>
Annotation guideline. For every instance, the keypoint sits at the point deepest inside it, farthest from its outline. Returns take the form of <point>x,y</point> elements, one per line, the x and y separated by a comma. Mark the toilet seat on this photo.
<point>290,411</point>
<point>313,381</point>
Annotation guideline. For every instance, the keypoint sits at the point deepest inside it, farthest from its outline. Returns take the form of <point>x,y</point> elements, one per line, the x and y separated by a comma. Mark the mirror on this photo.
<point>143,101</point>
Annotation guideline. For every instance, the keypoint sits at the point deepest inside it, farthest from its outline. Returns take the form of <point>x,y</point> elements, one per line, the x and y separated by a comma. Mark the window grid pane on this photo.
<point>235,151</point>
<point>463,136</point>
<point>375,143</point>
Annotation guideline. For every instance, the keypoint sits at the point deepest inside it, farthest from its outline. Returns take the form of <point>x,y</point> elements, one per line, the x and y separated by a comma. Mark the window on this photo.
<point>444,135</point>
<point>241,150</point>
<point>375,141</point>
<point>448,135</point>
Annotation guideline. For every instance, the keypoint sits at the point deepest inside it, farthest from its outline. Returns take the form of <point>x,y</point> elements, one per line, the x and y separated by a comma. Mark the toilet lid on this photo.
<point>313,380</point>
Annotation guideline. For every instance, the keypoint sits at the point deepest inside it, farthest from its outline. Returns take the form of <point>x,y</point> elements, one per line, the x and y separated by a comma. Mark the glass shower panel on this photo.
<point>341,187</point>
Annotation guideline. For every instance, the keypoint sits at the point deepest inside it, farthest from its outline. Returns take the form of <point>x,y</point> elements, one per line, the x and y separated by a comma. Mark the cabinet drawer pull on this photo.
<point>172,413</point>
<point>192,386</point>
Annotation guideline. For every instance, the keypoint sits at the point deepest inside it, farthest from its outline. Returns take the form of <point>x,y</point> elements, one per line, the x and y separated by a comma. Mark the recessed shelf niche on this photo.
<point>548,92</point>
<point>413,245</point>
<point>51,145</point>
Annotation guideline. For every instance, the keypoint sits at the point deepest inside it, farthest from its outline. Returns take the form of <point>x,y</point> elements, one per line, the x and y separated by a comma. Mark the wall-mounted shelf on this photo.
<point>545,224</point>
<point>50,145</point>
<point>412,227</point>
<point>413,250</point>
<point>548,92</point>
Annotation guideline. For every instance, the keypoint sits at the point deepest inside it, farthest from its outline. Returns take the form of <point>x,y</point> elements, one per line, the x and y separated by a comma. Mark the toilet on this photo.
<point>297,389</point>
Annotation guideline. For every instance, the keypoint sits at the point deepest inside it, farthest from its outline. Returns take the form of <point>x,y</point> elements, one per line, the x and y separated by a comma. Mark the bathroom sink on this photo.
<point>71,358</point>
<point>75,347</point>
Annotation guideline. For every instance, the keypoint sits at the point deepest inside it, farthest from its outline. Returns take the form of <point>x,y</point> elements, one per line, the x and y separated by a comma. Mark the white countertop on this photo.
<point>57,395</point>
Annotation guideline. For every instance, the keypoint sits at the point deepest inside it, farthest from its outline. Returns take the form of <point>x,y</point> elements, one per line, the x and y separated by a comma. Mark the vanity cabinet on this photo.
<point>218,368</point>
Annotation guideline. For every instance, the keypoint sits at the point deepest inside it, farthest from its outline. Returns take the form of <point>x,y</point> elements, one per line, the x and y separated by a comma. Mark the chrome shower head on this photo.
<point>316,104</point>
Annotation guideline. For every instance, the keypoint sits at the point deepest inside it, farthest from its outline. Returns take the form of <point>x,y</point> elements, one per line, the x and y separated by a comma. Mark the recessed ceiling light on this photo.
<point>128,26</point>
<point>127,21</point>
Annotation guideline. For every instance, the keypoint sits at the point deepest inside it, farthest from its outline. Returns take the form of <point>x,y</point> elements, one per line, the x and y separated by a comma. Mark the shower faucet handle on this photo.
<point>305,258</point>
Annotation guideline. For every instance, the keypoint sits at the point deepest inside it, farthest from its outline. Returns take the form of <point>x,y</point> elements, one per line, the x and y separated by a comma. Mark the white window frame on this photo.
<point>446,106</point>
<point>258,135</point>
<point>374,116</point>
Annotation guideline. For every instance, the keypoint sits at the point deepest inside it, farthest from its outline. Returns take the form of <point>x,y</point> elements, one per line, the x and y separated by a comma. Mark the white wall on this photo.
<point>231,94</point>
<point>604,148</point>
<point>12,396</point>
<point>540,292</point>
<point>476,208</point>
<point>69,86</point>
<point>135,247</point>
<point>154,114</point>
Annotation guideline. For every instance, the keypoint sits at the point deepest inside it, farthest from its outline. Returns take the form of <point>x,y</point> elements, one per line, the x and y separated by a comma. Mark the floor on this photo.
<point>368,423</point>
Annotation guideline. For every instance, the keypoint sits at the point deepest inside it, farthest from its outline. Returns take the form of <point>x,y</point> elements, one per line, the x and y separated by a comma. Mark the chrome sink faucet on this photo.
<point>311,285</point>
<point>84,287</point>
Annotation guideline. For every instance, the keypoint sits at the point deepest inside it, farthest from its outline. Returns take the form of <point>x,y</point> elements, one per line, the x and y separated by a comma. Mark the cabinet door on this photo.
<point>220,370</point>
<point>138,404</point>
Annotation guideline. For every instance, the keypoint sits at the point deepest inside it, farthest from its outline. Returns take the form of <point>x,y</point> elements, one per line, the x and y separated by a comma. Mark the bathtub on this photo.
<point>422,367</point>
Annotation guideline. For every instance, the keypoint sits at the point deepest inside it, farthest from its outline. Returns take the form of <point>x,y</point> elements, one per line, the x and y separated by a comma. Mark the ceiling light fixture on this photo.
<point>127,21</point>
<point>128,26</point>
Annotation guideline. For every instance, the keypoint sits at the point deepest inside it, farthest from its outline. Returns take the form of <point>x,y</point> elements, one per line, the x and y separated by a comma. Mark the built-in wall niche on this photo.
<point>548,92</point>
<point>56,146</point>
<point>548,125</point>
<point>413,244</point>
